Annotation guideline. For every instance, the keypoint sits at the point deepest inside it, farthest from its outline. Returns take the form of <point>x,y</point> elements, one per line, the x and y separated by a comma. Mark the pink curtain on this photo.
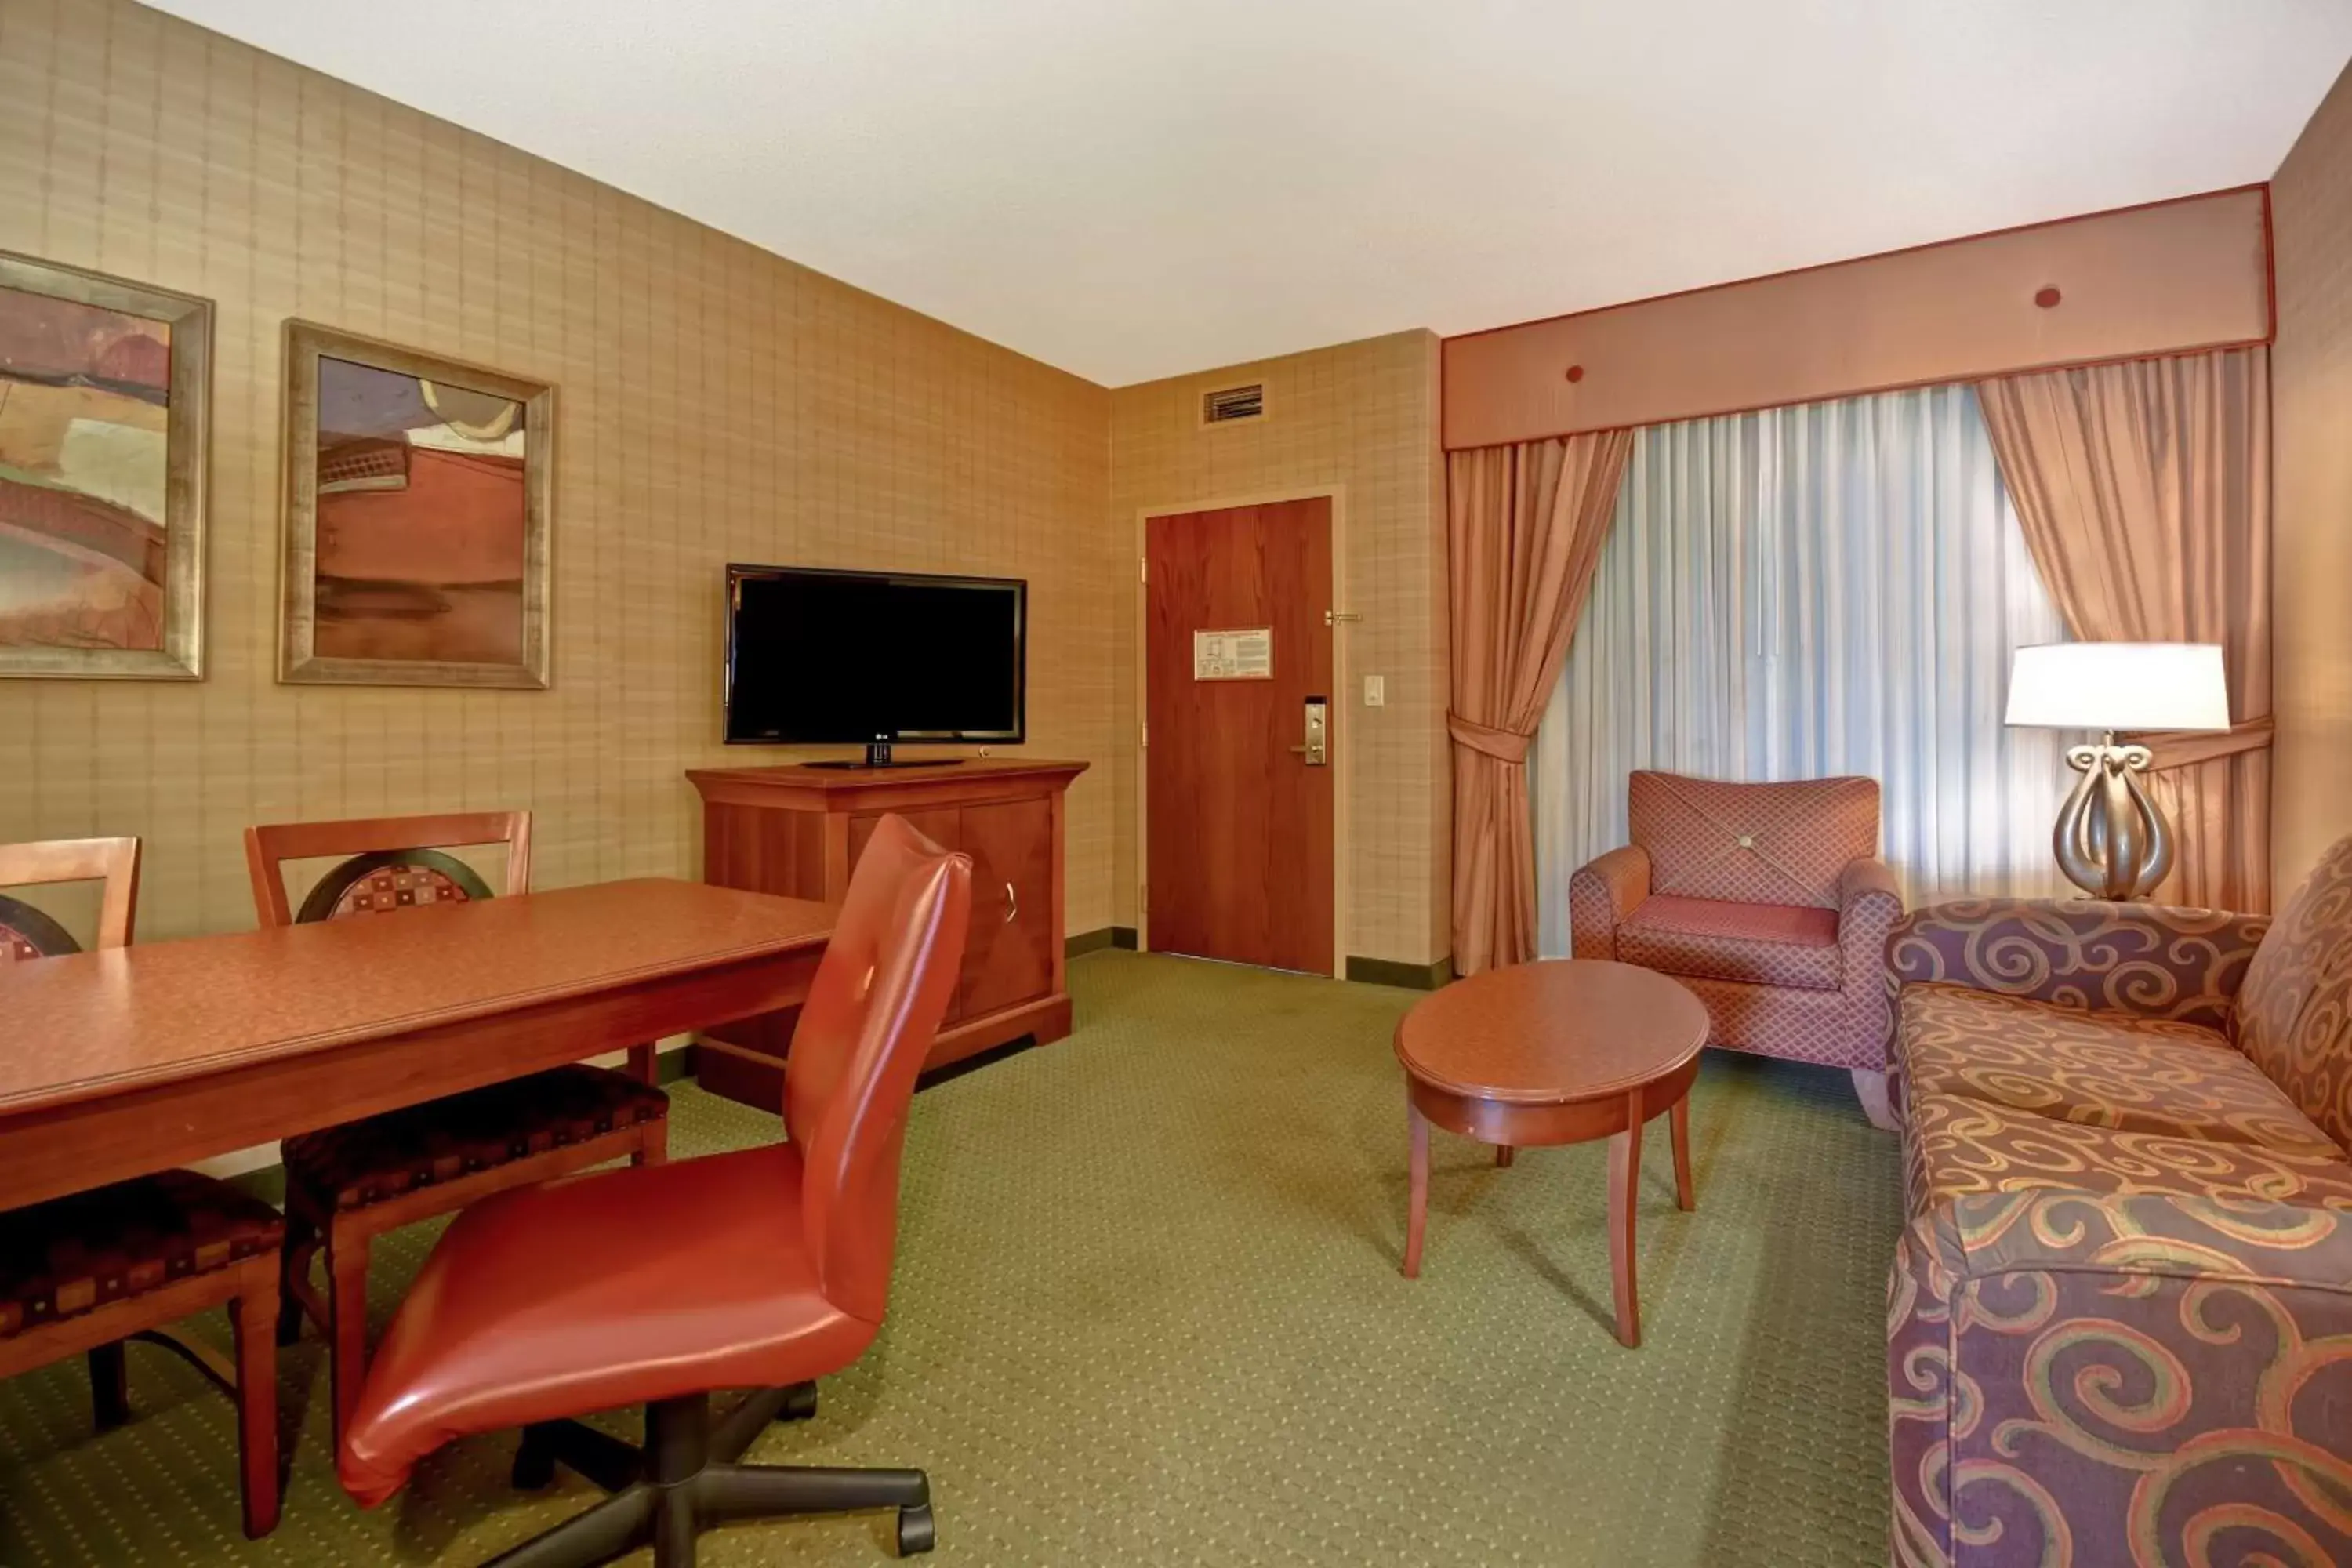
<point>1525,525</point>
<point>2145,492</point>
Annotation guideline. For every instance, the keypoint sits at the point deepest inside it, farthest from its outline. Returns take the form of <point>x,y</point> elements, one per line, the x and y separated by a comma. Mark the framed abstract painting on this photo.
<point>416,521</point>
<point>103,434</point>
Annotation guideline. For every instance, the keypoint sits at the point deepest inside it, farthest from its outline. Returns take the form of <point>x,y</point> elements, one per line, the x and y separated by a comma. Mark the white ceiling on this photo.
<point>1138,188</point>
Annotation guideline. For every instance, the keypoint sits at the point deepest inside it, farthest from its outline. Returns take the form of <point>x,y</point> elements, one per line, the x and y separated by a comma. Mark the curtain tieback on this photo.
<point>2185,749</point>
<point>1502,745</point>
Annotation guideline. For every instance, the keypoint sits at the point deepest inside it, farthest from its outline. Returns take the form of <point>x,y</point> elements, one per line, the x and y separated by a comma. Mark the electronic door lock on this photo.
<point>1316,749</point>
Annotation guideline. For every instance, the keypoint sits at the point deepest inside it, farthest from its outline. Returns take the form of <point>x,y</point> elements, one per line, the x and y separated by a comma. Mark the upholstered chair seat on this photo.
<point>1755,945</point>
<point>75,1253</point>
<point>1768,901</point>
<point>384,1157</point>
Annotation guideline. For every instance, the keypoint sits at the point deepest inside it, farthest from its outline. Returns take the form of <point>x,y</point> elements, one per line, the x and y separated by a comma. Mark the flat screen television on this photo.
<point>819,657</point>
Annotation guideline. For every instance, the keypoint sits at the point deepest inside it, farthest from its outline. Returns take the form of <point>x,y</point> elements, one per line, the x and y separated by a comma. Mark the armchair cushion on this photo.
<point>1752,843</point>
<point>2101,1070</point>
<point>1762,944</point>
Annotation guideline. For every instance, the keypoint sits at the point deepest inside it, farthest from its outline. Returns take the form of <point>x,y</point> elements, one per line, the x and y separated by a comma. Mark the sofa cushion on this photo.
<point>1760,944</point>
<point>2101,1070</point>
<point>1752,843</point>
<point>2294,1012</point>
<point>1954,1146</point>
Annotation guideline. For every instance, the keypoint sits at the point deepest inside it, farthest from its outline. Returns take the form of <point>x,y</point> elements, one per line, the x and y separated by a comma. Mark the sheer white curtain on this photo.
<point>1835,588</point>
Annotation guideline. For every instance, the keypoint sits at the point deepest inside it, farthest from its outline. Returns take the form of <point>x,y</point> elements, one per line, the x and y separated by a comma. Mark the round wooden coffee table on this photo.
<point>1561,1051</point>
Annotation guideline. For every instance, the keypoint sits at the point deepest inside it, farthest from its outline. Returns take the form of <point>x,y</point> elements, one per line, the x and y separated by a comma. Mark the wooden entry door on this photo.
<point>1239,835</point>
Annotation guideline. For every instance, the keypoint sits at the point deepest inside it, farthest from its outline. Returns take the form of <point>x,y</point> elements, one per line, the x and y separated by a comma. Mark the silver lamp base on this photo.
<point>2111,840</point>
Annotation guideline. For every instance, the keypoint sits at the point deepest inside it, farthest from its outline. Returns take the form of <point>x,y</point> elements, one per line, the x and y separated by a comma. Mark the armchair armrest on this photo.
<point>1869,904</point>
<point>2061,1366</point>
<point>1603,893</point>
<point>2153,960</point>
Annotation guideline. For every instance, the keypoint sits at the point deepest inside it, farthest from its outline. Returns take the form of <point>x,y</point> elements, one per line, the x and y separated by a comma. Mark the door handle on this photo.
<point>1012,904</point>
<point>1315,749</point>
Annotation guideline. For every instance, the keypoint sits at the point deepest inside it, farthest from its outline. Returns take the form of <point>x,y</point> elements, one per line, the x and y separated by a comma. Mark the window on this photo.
<point>1824,589</point>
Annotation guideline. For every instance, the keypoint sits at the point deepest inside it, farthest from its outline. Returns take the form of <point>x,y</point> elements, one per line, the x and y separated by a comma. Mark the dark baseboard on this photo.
<point>1388,971</point>
<point>1100,938</point>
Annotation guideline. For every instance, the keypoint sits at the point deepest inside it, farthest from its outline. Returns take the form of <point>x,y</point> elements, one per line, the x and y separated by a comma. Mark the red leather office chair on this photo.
<point>764,1268</point>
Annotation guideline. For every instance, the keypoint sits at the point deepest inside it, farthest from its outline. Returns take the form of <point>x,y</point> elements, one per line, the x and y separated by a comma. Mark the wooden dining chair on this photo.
<point>88,1273</point>
<point>348,1184</point>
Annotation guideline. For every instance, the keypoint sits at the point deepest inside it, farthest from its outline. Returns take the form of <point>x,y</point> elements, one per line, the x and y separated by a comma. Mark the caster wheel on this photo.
<point>800,1403</point>
<point>534,1466</point>
<point>916,1532</point>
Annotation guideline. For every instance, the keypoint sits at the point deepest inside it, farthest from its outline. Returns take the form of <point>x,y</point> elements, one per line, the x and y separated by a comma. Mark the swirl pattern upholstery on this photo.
<point>2144,959</point>
<point>1766,900</point>
<point>2077,1382</point>
<point>2132,1074</point>
<point>2119,1325</point>
<point>2297,1006</point>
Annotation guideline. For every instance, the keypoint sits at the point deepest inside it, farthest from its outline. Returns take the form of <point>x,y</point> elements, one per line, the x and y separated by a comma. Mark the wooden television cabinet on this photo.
<point>798,830</point>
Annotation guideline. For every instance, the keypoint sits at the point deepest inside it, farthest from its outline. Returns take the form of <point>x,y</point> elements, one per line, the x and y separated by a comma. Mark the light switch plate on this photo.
<point>1376,690</point>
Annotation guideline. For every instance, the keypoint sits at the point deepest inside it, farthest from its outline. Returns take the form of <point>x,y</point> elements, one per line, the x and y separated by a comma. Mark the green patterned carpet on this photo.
<point>1147,1312</point>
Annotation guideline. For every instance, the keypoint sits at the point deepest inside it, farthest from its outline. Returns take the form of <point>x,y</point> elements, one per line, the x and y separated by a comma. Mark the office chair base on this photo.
<point>685,1478</point>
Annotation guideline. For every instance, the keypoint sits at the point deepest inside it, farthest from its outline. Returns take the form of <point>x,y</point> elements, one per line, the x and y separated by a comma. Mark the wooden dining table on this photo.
<point>119,1063</point>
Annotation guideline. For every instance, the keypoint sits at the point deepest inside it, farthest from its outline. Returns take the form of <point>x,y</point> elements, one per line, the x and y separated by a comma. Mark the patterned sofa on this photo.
<point>1768,900</point>
<point>2119,1325</point>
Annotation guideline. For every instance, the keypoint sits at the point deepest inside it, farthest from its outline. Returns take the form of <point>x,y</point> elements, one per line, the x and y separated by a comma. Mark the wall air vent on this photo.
<point>1228,405</point>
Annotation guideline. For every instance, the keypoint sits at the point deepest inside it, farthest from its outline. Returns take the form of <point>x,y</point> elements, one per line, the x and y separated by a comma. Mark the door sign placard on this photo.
<point>1244,655</point>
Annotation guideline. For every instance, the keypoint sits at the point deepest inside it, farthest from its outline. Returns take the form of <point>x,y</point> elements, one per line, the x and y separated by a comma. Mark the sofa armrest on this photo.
<point>1603,893</point>
<point>2062,1367</point>
<point>2153,960</point>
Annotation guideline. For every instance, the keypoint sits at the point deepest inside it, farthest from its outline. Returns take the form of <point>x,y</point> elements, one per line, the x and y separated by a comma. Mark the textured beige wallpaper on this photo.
<point>2311,401</point>
<point>1361,417</point>
<point>715,403</point>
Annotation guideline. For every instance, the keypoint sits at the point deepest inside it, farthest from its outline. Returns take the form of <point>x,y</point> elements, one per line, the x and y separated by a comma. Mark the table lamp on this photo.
<point>2111,840</point>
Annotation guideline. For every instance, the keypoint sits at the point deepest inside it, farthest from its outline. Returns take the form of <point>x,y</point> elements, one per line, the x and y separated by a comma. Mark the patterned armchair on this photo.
<point>1768,901</point>
<point>2119,1325</point>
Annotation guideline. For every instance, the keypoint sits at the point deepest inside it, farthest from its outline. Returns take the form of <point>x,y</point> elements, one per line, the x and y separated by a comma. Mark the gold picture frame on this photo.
<point>101,531</point>
<point>433,478</point>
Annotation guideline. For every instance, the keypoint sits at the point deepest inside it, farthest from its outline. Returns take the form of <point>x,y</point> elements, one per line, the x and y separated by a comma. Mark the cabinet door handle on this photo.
<point>1012,903</point>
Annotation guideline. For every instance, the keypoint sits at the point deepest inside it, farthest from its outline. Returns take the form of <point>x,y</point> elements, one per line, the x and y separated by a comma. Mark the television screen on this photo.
<point>817,657</point>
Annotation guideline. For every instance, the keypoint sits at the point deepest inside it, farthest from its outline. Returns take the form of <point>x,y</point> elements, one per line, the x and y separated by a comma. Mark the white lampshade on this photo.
<point>2119,686</point>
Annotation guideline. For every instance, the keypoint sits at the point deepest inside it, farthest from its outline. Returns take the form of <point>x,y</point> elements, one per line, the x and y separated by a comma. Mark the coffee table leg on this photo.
<point>1625,1182</point>
<point>1685,1196</point>
<point>1416,1214</point>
